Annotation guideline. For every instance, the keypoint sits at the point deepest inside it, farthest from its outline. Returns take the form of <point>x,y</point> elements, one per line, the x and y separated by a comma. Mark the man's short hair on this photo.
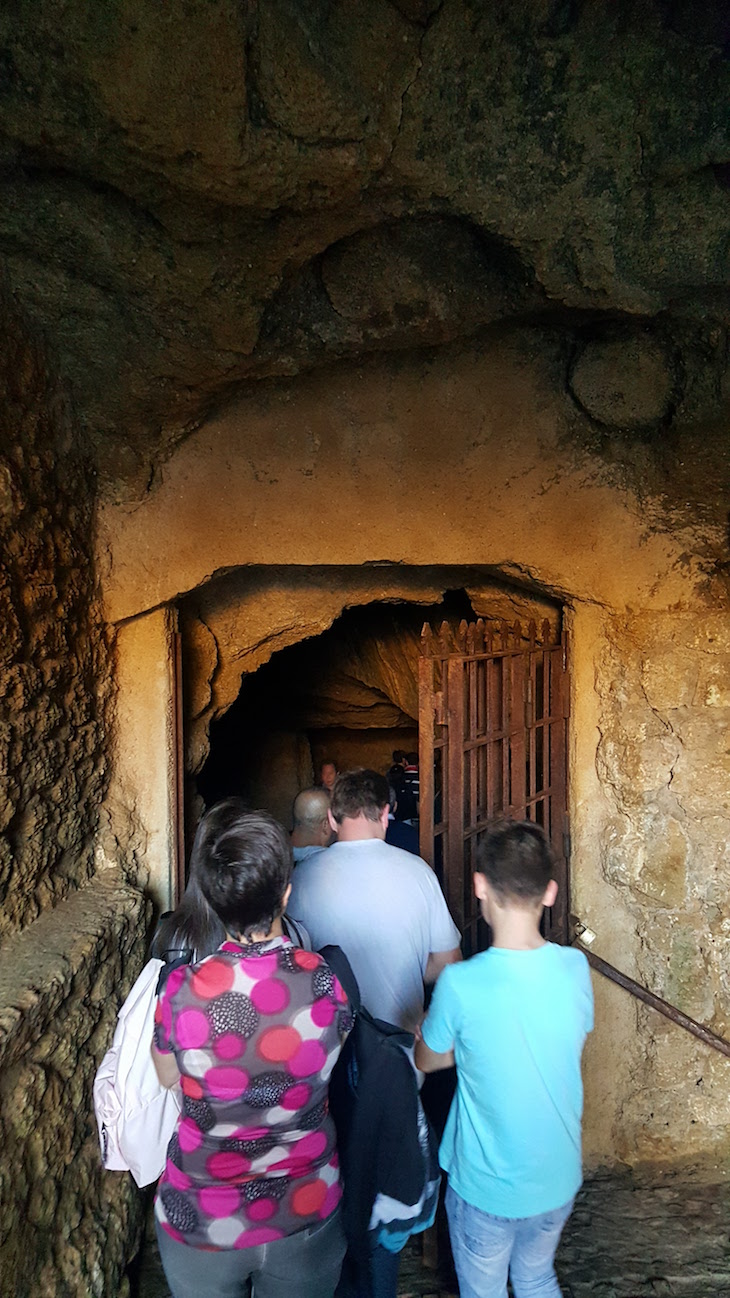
<point>244,866</point>
<point>310,808</point>
<point>517,860</point>
<point>399,756</point>
<point>359,793</point>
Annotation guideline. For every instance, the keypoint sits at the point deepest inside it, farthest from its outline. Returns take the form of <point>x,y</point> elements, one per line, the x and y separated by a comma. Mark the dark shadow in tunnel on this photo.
<point>349,695</point>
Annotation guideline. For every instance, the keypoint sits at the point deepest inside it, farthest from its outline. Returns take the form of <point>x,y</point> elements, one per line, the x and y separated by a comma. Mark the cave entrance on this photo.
<point>349,695</point>
<point>484,700</point>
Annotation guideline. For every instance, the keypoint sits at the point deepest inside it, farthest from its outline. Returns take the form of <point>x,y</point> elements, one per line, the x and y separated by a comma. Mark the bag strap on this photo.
<point>292,930</point>
<point>338,962</point>
<point>173,958</point>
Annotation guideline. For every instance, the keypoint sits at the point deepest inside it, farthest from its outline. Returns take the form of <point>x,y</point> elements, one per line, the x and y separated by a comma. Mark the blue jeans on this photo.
<point>487,1249</point>
<point>378,1280</point>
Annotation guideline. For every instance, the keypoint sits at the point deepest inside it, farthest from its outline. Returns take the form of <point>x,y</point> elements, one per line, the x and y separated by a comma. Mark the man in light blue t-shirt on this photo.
<point>385,909</point>
<point>513,1019</point>
<point>382,905</point>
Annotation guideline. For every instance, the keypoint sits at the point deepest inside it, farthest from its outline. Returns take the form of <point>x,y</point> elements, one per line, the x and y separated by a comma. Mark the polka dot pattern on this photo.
<point>315,1117</point>
<point>251,1148</point>
<point>213,978</point>
<point>308,1198</point>
<point>174,1153</point>
<point>232,1012</point>
<point>277,1045</point>
<point>179,1210</point>
<point>200,1112</point>
<point>219,1200</point>
<point>323,982</point>
<point>255,1031</point>
<point>273,1187</point>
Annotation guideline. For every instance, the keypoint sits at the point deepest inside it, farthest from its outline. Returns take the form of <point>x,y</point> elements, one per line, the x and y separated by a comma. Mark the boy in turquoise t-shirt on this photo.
<point>513,1019</point>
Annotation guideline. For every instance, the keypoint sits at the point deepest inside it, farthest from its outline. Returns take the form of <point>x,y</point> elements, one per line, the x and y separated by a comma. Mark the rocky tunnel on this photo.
<point>380,314</point>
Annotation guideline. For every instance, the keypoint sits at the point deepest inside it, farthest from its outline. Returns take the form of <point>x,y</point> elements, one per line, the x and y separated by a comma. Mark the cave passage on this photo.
<point>349,695</point>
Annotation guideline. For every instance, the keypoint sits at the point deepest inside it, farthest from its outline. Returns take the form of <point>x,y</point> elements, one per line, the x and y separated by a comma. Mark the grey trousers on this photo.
<point>305,1265</point>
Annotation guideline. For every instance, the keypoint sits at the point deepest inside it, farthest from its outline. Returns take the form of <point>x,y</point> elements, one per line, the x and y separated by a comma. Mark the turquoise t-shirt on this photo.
<point>516,1021</point>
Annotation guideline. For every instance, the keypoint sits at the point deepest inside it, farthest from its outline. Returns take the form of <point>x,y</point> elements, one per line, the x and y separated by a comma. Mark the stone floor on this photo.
<point>631,1235</point>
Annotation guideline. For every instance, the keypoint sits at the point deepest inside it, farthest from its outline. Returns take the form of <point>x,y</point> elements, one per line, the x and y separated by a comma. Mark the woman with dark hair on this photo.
<point>193,930</point>
<point>251,1189</point>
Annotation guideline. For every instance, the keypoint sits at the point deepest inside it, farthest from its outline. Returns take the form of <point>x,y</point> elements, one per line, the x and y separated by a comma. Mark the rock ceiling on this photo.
<point>202,194</point>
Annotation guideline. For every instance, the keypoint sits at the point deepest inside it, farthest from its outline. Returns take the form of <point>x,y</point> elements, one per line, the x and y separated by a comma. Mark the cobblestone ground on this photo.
<point>630,1236</point>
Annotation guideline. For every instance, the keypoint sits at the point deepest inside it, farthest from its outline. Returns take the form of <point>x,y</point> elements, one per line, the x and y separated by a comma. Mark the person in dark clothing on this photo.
<point>386,1146</point>
<point>399,832</point>
<point>407,807</point>
<point>412,786</point>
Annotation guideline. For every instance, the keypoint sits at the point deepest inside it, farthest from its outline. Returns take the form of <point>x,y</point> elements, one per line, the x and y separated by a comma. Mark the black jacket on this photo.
<point>375,1106</point>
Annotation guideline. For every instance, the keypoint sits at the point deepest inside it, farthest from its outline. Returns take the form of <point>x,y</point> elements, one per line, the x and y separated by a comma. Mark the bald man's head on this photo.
<point>311,826</point>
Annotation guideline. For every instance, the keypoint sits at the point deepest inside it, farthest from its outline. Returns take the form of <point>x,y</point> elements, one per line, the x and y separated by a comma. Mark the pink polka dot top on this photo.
<point>255,1031</point>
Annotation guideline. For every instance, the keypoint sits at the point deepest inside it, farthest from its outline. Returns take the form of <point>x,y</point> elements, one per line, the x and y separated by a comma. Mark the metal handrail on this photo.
<point>650,998</point>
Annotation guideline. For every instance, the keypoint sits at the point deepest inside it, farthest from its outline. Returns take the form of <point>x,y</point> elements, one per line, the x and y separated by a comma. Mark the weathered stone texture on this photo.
<point>52,648</point>
<point>318,180</point>
<point>362,678</point>
<point>663,759</point>
<point>64,1230</point>
<point>624,383</point>
<point>67,1228</point>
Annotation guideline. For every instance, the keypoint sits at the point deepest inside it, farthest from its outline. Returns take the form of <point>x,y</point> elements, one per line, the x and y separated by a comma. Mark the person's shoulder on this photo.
<point>458,978</point>
<point>313,864</point>
<point>399,851</point>
<point>418,869</point>
<point>573,965</point>
<point>571,957</point>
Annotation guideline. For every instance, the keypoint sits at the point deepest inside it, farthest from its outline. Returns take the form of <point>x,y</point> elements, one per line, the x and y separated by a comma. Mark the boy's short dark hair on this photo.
<point>244,865</point>
<point>517,860</point>
<point>359,793</point>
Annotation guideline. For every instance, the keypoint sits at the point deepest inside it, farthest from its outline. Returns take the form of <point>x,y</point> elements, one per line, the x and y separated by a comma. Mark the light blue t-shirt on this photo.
<point>516,1021</point>
<point>385,908</point>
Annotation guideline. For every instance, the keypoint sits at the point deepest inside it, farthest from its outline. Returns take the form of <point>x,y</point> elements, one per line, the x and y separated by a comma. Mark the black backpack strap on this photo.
<point>173,959</point>
<point>338,962</point>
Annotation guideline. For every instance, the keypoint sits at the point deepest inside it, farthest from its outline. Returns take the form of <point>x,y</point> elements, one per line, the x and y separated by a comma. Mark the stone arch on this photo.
<point>233,629</point>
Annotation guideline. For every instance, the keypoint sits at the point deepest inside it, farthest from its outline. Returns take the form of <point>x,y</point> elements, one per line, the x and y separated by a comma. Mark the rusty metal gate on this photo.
<point>493,719</point>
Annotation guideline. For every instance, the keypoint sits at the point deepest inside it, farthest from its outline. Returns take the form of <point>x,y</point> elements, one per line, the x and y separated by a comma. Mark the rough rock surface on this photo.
<point>361,677</point>
<point>321,179</point>
<point>53,660</point>
<point>663,761</point>
<point>624,383</point>
<point>67,950</point>
<point>67,1228</point>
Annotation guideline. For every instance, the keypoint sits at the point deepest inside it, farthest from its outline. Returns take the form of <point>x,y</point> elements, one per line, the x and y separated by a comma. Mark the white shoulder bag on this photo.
<point>136,1115</point>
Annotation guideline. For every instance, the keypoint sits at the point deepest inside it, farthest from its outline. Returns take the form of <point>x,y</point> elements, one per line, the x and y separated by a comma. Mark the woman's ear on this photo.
<point>285,898</point>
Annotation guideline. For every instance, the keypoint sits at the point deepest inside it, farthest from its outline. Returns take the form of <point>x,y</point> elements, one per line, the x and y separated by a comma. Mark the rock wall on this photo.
<point>53,656</point>
<point>70,944</point>
<point>67,1228</point>
<point>664,862</point>
<point>326,180</point>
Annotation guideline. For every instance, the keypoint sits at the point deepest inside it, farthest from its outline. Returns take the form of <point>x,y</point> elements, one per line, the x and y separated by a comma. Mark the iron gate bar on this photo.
<point>493,703</point>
